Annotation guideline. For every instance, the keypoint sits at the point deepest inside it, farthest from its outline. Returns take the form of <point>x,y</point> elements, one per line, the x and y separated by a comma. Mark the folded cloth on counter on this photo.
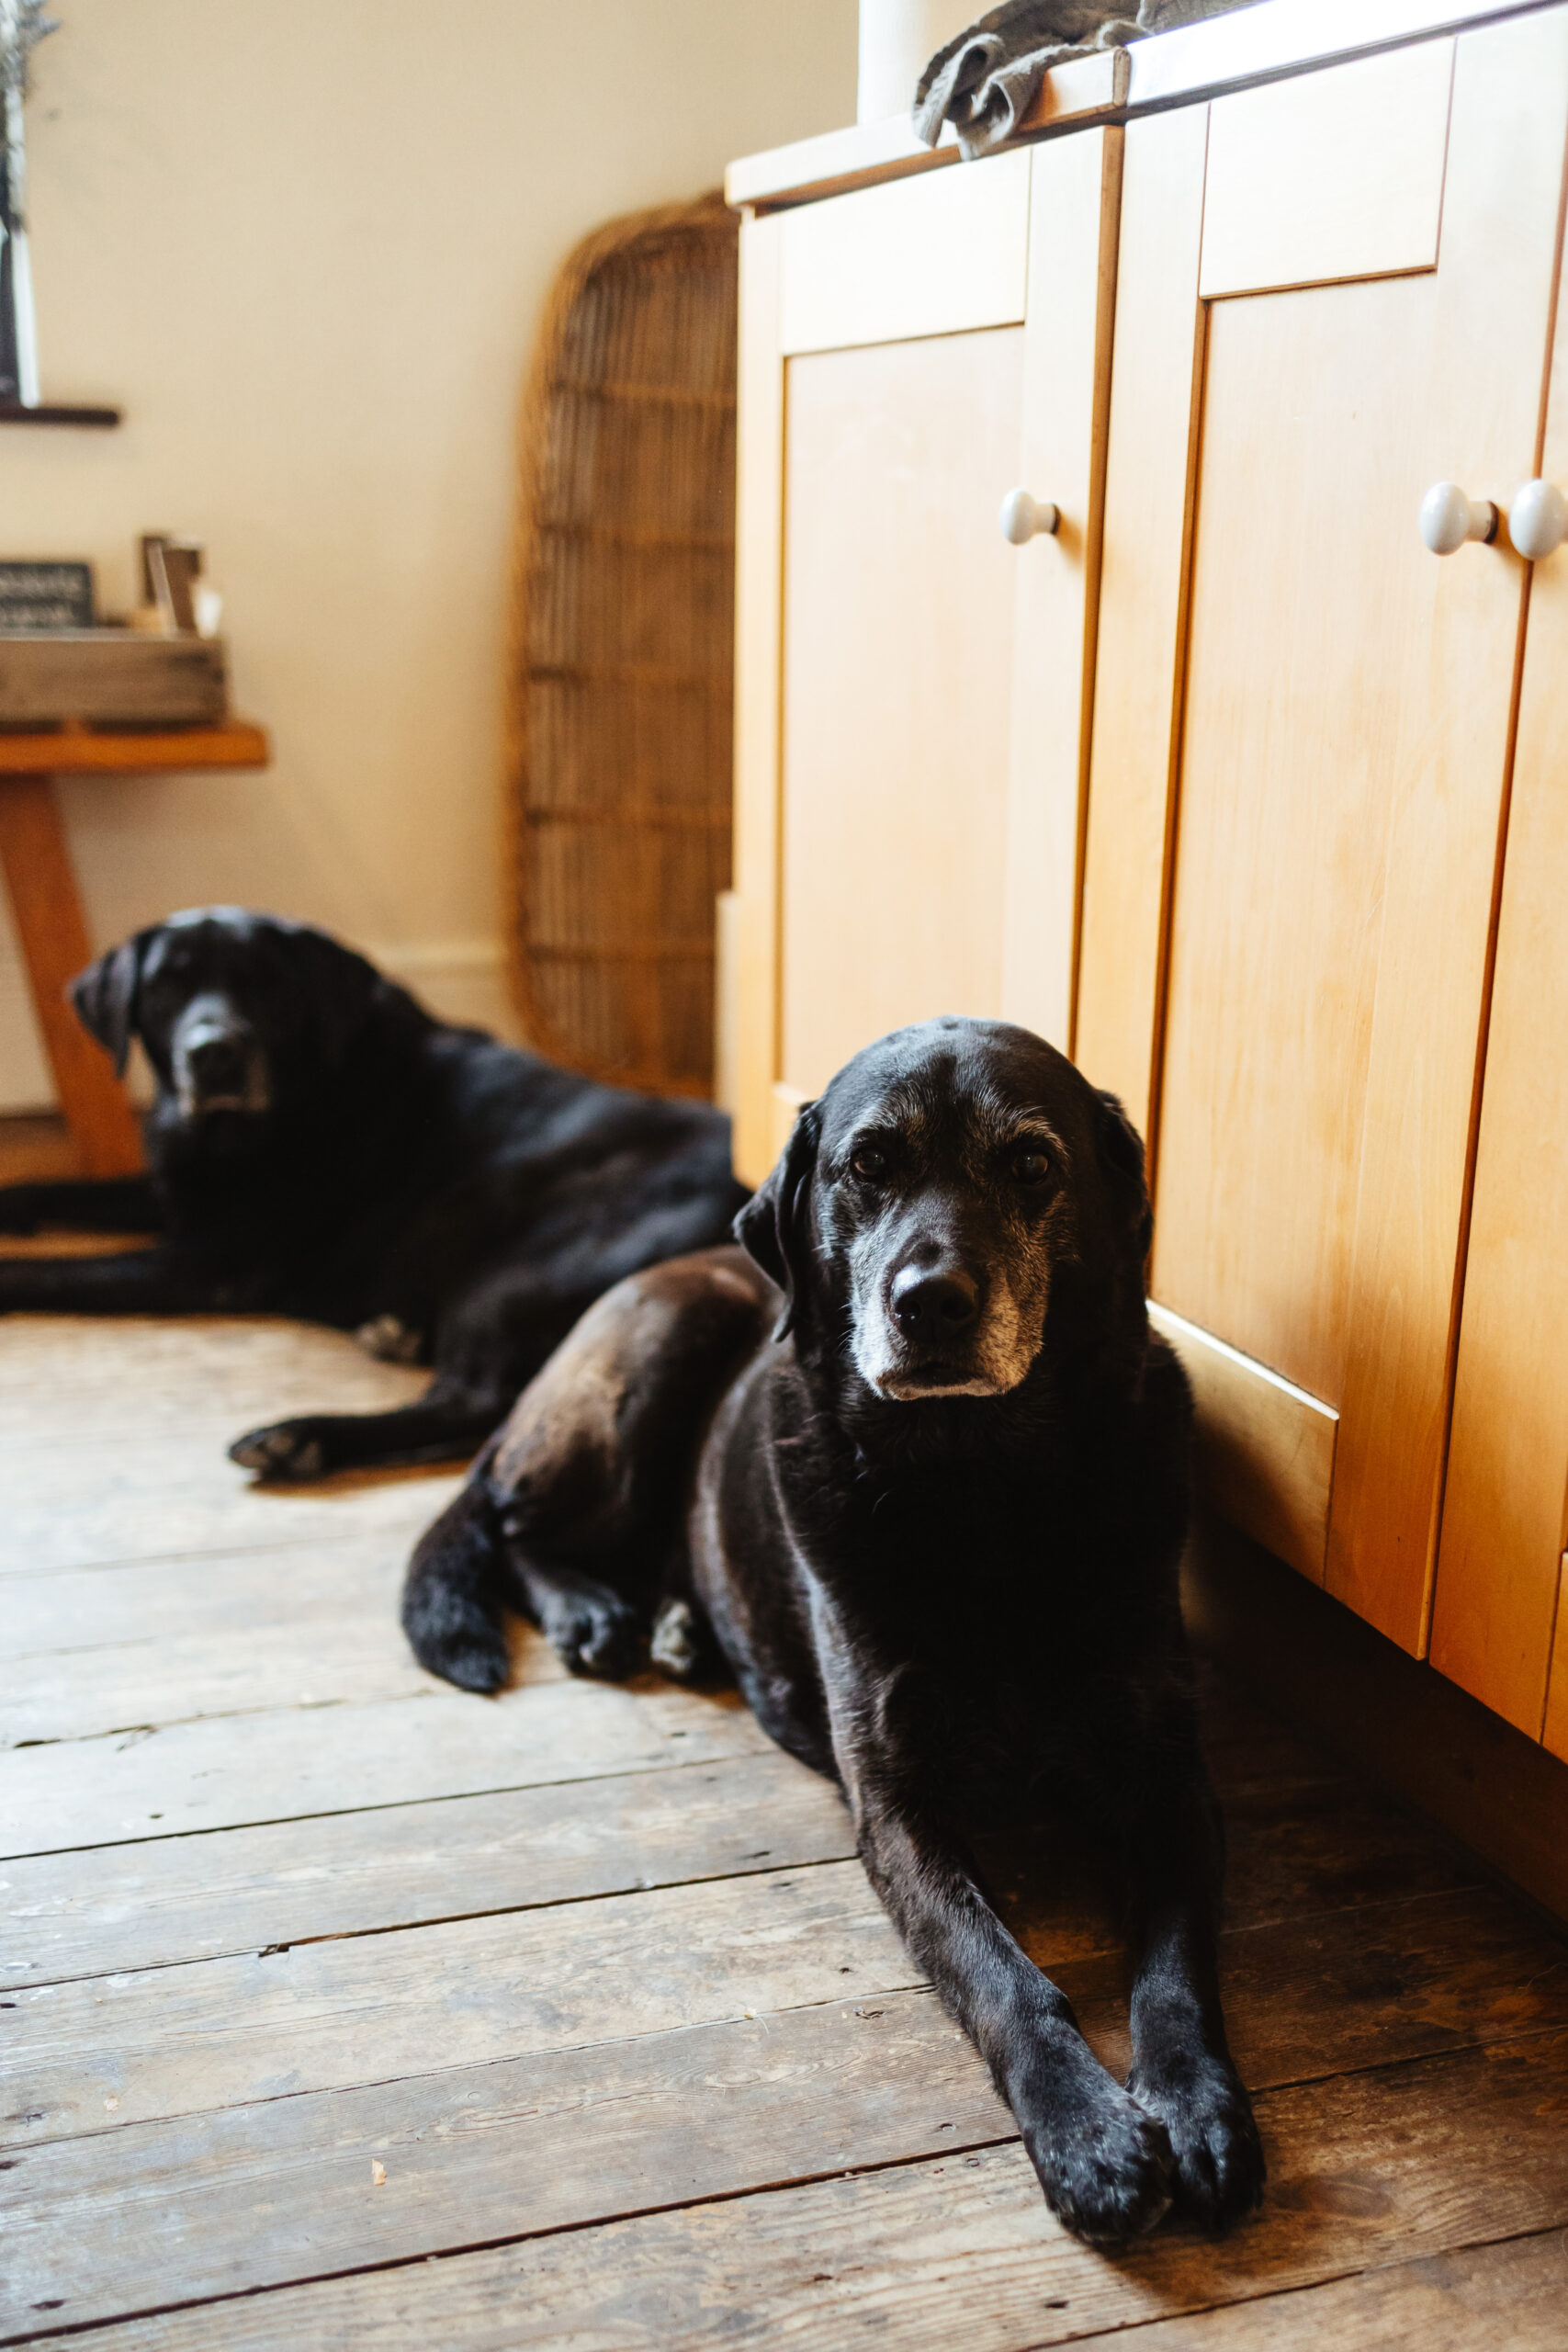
<point>986,80</point>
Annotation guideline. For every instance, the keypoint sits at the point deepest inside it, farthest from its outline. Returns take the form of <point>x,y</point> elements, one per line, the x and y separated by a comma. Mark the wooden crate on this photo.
<point>111,677</point>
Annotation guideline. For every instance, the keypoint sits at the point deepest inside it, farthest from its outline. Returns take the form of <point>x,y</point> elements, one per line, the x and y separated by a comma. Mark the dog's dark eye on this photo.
<point>1030,1167</point>
<point>870,1161</point>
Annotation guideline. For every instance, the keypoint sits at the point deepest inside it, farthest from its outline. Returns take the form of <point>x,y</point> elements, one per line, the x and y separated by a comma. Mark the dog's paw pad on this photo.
<point>284,1452</point>
<point>678,1648</point>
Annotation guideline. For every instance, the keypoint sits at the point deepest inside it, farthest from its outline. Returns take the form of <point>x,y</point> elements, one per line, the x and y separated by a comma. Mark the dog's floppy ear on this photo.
<point>105,997</point>
<point>1121,1152</point>
<point>771,1228</point>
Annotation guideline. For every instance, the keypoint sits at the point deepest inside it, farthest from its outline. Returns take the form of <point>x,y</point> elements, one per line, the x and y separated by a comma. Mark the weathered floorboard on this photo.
<point>75,1611</point>
<point>1503,2298</point>
<point>160,2213</point>
<point>73,1379</point>
<point>1398,1981</point>
<point>334,1759</point>
<point>199,1897</point>
<point>132,1502</point>
<point>110,2051</point>
<point>684,2282</point>
<point>1373,2170</point>
<point>525,1939</point>
<point>113,1438</point>
<point>144,1904</point>
<point>348,1660</point>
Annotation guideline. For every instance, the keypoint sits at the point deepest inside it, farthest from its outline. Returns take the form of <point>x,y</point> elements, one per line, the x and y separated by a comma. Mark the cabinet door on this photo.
<point>911,688</point>
<point>1333,293</point>
<point>1499,1563</point>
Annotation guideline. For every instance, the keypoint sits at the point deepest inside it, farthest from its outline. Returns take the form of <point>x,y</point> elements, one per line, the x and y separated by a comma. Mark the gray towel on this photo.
<point>984,81</point>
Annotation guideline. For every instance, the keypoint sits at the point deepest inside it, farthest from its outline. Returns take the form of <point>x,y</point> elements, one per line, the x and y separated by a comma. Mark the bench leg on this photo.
<point>55,947</point>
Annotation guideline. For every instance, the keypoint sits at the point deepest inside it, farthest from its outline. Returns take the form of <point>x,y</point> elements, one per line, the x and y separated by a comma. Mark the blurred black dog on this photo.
<point>320,1147</point>
<point>919,1465</point>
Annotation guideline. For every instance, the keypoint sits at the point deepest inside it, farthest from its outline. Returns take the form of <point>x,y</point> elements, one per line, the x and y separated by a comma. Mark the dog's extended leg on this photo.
<point>474,1388</point>
<point>592,1629</point>
<point>457,1591</point>
<point>131,1281</point>
<point>1104,2159</point>
<point>444,1425</point>
<point>81,1204</point>
<point>466,1571</point>
<point>1182,2070</point>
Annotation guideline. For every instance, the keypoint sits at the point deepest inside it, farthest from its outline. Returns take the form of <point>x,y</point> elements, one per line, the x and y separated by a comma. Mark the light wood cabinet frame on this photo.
<point>1063,295</point>
<point>1505,1501</point>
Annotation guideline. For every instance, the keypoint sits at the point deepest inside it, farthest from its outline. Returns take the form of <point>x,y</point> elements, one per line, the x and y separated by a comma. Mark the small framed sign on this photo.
<point>35,595</point>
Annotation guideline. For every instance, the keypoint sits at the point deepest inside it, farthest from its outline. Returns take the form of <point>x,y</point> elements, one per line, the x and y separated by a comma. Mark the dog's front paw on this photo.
<point>287,1450</point>
<point>591,1629</point>
<point>1104,2160</point>
<point>1208,2117</point>
<point>451,1633</point>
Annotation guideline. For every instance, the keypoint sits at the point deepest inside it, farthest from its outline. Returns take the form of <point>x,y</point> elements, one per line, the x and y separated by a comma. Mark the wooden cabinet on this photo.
<point>912,689</point>
<point>1499,1567</point>
<point>1297,893</point>
<point>1334,292</point>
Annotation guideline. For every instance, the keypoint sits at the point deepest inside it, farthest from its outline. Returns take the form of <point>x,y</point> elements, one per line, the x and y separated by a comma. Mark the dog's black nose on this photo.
<point>218,1062</point>
<point>935,1308</point>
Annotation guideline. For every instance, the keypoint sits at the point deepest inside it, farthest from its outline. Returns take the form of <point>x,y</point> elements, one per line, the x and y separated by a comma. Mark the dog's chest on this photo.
<point>1039,1657</point>
<point>1012,1695</point>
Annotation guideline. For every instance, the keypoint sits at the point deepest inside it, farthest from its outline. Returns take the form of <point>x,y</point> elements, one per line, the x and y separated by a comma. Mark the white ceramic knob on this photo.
<point>1537,520</point>
<point>1023,518</point>
<point>1449,518</point>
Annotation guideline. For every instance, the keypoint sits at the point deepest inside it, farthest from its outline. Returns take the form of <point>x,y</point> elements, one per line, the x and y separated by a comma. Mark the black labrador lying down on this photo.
<point>919,1465</point>
<point>320,1147</point>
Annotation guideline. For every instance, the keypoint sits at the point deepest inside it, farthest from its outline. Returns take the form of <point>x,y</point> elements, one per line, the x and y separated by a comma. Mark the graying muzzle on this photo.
<point>217,1058</point>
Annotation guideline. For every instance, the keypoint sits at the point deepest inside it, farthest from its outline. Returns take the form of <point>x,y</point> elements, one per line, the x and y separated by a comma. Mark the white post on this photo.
<point>22,26</point>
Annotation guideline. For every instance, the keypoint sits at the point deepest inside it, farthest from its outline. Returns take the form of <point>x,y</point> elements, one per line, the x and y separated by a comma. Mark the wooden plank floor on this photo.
<point>344,2009</point>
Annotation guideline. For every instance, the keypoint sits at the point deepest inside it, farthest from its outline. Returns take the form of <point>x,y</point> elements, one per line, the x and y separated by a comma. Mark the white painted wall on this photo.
<point>304,244</point>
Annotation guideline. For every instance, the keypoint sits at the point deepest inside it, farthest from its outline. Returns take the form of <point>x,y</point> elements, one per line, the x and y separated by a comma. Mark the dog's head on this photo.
<point>235,1011</point>
<point>959,1195</point>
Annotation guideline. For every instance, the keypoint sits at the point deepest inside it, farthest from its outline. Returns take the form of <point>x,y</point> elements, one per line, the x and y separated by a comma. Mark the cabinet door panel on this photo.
<point>1289,771</point>
<point>1346,712</point>
<point>897,701</point>
<point>1504,1505</point>
<point>1274,217</point>
<point>911,737</point>
<point>918,257</point>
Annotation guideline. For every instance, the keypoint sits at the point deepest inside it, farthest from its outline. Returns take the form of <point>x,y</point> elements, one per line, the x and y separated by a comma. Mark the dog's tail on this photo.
<point>457,1586</point>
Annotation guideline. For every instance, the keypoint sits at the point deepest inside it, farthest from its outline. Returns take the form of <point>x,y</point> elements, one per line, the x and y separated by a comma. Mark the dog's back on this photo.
<point>320,1145</point>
